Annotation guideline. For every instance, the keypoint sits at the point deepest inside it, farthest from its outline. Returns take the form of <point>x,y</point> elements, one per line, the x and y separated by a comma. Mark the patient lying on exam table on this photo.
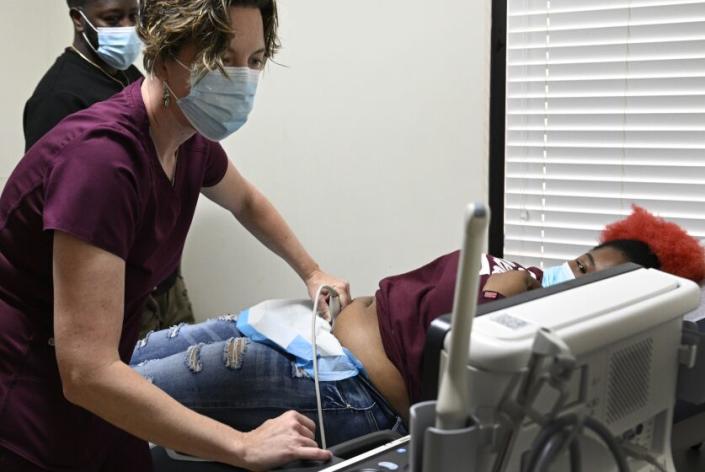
<point>214,369</point>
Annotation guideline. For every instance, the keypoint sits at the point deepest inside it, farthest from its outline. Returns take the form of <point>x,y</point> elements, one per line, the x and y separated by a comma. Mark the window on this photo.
<point>605,107</point>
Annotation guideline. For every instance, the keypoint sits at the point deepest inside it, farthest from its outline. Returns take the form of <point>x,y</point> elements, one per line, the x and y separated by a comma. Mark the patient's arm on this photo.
<point>511,283</point>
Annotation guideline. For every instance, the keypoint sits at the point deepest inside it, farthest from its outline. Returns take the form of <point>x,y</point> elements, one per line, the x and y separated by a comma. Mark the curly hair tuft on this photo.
<point>678,252</point>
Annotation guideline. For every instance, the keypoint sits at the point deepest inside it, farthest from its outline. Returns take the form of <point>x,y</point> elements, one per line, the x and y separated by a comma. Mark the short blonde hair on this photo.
<point>165,26</point>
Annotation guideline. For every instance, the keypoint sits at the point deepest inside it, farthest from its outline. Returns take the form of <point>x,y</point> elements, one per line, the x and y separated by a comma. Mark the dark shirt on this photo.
<point>408,303</point>
<point>95,176</point>
<point>70,85</point>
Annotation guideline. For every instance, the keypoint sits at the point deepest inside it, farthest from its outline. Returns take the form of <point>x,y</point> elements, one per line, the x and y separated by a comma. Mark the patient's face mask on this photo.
<point>118,47</point>
<point>218,105</point>
<point>557,274</point>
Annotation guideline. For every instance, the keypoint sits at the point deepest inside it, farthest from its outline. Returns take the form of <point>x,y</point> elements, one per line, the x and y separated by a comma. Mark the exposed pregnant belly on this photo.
<point>357,329</point>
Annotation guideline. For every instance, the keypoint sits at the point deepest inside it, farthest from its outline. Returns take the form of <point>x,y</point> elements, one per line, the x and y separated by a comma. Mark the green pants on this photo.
<point>167,309</point>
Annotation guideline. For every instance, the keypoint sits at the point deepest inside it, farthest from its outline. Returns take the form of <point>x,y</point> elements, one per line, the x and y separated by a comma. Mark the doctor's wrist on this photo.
<point>310,273</point>
<point>235,449</point>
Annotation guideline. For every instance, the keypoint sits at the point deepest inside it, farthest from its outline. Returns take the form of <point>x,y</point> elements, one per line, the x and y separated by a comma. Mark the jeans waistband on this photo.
<point>379,398</point>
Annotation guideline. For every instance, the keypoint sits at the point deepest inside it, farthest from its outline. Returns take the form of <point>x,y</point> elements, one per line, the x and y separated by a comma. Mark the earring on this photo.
<point>166,96</point>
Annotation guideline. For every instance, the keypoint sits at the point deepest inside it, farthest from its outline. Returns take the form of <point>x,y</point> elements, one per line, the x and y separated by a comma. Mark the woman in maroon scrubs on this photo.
<point>96,214</point>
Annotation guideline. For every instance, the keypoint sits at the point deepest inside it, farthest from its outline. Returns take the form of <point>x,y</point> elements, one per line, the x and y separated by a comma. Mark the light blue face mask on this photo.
<point>219,105</point>
<point>118,47</point>
<point>557,274</point>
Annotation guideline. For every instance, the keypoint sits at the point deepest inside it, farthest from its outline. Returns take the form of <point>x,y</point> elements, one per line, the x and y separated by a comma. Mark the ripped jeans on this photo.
<point>213,369</point>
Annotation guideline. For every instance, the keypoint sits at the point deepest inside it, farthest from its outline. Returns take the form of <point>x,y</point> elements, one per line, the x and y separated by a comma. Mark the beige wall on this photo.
<point>34,32</point>
<point>369,139</point>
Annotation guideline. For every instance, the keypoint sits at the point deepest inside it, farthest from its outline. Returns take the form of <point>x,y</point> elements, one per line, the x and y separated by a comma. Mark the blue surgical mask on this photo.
<point>557,274</point>
<point>117,47</point>
<point>218,105</point>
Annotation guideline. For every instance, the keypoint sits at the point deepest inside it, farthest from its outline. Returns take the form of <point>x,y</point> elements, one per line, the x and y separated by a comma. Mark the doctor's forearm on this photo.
<point>122,397</point>
<point>260,217</point>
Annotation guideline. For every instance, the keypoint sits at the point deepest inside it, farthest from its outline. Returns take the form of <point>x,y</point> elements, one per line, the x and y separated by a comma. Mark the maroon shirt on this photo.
<point>408,303</point>
<point>97,177</point>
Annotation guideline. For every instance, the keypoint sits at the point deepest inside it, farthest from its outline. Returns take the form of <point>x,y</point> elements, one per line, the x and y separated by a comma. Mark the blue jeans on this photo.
<point>213,369</point>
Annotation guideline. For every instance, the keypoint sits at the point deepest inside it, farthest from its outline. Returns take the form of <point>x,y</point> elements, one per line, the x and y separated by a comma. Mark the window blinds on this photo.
<point>605,108</point>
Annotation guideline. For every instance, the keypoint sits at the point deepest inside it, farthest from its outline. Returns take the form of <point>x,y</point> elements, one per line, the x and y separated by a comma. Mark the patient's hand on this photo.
<point>511,283</point>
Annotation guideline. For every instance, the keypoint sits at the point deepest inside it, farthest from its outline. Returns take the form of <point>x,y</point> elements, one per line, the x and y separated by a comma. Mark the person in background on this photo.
<point>97,65</point>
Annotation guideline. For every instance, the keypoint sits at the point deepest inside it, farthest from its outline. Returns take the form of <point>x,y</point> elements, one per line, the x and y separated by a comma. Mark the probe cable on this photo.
<point>547,444</point>
<point>333,308</point>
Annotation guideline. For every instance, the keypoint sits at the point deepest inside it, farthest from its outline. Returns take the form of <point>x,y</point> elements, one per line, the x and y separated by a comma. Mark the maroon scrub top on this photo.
<point>408,303</point>
<point>95,176</point>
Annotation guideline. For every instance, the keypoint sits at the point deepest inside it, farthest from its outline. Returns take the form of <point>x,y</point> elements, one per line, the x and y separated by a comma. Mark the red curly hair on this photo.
<point>679,253</point>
